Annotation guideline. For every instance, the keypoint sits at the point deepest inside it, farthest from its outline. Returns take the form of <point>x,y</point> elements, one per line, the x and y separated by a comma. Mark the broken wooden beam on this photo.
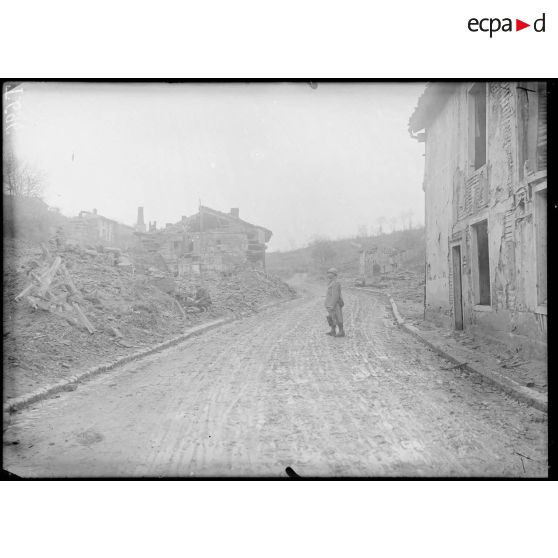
<point>37,282</point>
<point>47,277</point>
<point>83,319</point>
<point>68,281</point>
<point>180,307</point>
<point>25,291</point>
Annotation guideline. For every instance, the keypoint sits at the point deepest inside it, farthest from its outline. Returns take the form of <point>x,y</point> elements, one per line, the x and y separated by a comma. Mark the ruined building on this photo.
<point>376,261</point>
<point>209,241</point>
<point>486,212</point>
<point>91,229</point>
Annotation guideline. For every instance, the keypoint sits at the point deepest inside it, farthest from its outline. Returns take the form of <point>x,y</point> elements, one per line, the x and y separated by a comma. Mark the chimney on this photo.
<point>94,212</point>
<point>184,218</point>
<point>235,212</point>
<point>140,225</point>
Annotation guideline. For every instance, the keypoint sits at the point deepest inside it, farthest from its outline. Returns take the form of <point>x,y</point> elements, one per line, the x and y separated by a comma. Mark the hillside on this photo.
<point>405,284</point>
<point>344,254</point>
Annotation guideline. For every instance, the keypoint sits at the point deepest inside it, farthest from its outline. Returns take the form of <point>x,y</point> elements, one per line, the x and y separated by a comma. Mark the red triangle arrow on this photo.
<point>519,25</point>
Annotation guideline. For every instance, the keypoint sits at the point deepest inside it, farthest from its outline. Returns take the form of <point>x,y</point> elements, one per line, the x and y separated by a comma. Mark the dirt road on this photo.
<point>272,391</point>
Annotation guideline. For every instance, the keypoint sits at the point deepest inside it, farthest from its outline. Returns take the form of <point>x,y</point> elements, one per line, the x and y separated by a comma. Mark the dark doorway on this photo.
<point>457,297</point>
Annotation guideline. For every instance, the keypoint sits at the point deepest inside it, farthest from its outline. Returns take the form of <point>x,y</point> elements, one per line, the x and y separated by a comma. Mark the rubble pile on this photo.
<point>67,308</point>
<point>406,285</point>
<point>248,289</point>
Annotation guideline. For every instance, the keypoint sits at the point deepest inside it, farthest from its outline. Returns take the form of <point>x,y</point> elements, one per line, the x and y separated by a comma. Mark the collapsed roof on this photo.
<point>213,218</point>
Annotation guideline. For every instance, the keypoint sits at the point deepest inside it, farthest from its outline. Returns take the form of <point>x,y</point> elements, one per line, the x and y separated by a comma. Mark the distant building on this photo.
<point>90,228</point>
<point>209,241</point>
<point>376,261</point>
<point>485,187</point>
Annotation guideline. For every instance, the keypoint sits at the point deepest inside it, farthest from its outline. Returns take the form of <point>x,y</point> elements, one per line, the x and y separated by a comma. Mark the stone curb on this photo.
<point>512,388</point>
<point>26,400</point>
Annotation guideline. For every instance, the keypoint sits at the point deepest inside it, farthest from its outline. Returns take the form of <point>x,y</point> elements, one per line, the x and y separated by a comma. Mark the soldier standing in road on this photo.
<point>334,304</point>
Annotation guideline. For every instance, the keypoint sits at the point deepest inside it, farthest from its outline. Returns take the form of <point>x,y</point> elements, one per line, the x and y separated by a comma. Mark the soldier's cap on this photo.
<point>332,270</point>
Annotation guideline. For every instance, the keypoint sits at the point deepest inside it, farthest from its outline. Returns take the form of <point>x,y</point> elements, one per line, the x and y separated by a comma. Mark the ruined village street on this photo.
<point>270,391</point>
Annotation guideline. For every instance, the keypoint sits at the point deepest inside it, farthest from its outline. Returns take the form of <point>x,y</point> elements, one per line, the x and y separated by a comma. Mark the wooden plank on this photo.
<point>25,291</point>
<point>47,277</point>
<point>31,285</point>
<point>68,281</point>
<point>83,319</point>
<point>180,308</point>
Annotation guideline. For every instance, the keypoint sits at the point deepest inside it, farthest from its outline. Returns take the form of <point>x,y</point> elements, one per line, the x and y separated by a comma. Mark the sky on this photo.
<point>300,161</point>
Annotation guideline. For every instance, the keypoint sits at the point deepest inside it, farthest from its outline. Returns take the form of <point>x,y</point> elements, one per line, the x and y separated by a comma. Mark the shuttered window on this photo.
<point>532,114</point>
<point>541,128</point>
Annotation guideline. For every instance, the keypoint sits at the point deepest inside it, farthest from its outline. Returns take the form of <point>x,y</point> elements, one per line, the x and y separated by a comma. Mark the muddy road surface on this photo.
<point>272,391</point>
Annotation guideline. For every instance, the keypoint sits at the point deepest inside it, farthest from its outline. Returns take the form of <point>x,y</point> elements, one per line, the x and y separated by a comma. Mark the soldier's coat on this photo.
<point>334,301</point>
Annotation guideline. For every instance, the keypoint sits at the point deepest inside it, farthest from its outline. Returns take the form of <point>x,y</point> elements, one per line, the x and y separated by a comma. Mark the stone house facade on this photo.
<point>91,229</point>
<point>208,242</point>
<point>485,184</point>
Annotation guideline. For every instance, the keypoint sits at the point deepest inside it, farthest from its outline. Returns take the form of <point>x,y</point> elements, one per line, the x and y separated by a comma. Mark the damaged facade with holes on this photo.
<point>208,242</point>
<point>485,190</point>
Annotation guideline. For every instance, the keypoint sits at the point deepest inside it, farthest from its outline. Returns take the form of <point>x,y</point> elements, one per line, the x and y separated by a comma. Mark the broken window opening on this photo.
<point>481,260</point>
<point>477,126</point>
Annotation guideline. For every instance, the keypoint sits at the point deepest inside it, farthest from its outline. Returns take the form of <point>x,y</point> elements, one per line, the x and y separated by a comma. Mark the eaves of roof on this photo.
<point>430,103</point>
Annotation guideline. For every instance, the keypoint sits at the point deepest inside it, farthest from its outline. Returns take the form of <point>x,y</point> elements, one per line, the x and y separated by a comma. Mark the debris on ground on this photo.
<point>68,308</point>
<point>407,289</point>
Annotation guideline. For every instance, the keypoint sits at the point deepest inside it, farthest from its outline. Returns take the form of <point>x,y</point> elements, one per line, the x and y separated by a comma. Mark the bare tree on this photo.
<point>381,221</point>
<point>322,251</point>
<point>406,219</point>
<point>19,179</point>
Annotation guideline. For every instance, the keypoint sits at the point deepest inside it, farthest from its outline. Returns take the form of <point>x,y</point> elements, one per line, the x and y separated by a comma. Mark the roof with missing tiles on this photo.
<point>227,216</point>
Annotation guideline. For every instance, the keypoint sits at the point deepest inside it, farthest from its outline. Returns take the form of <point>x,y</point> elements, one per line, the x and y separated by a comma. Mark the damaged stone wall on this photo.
<point>495,192</point>
<point>441,160</point>
<point>214,252</point>
<point>193,253</point>
<point>514,315</point>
